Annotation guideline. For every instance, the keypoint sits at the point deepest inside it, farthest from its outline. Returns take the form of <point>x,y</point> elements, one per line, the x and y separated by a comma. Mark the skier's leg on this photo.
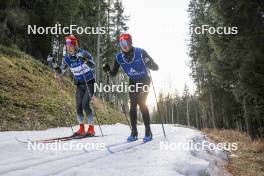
<point>141,100</point>
<point>87,108</point>
<point>86,105</point>
<point>133,113</point>
<point>142,97</point>
<point>79,96</point>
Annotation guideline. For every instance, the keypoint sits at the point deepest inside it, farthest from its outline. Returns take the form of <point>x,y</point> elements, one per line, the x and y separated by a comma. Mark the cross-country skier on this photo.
<point>82,65</point>
<point>135,62</point>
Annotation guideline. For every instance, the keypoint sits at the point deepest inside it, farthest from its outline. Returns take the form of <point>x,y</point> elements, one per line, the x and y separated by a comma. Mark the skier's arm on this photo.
<point>61,70</point>
<point>115,69</point>
<point>90,60</point>
<point>112,72</point>
<point>149,62</point>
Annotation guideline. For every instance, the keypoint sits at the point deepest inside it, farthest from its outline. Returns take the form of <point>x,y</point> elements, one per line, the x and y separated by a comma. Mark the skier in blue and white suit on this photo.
<point>82,65</point>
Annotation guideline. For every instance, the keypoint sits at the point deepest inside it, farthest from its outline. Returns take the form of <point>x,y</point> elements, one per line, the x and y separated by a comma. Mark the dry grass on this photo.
<point>248,160</point>
<point>32,99</point>
<point>106,114</point>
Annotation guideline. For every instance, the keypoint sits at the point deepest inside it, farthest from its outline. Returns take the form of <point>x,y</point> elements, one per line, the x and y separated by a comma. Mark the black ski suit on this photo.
<point>138,98</point>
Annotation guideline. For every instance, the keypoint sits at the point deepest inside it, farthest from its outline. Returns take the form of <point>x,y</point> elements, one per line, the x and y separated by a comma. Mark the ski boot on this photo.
<point>90,132</point>
<point>148,136</point>
<point>132,137</point>
<point>80,132</point>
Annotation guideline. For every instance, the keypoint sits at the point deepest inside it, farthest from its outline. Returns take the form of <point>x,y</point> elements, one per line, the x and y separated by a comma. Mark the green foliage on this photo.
<point>15,16</point>
<point>228,69</point>
<point>178,109</point>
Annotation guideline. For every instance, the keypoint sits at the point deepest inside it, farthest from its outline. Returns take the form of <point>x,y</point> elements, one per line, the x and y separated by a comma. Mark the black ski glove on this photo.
<point>106,68</point>
<point>83,59</point>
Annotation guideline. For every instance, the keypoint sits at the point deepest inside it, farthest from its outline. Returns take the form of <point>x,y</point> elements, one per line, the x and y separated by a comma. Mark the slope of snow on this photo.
<point>114,156</point>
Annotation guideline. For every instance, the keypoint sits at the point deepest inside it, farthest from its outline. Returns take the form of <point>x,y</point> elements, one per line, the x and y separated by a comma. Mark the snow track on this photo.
<point>117,157</point>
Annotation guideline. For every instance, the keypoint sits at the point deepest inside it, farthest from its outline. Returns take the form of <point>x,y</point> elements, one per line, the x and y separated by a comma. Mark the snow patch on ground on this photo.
<point>118,157</point>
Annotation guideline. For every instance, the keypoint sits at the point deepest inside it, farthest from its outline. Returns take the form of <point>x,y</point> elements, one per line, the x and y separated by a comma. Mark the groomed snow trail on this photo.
<point>110,155</point>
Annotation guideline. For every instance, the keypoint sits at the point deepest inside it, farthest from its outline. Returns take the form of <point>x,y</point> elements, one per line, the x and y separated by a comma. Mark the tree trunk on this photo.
<point>212,107</point>
<point>187,111</point>
<point>196,117</point>
<point>172,112</point>
<point>205,119</point>
<point>177,114</point>
<point>247,119</point>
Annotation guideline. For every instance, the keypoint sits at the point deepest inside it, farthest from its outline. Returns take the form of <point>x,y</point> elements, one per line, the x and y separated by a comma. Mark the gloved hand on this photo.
<point>52,62</point>
<point>106,68</point>
<point>85,60</point>
<point>81,57</point>
<point>50,58</point>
